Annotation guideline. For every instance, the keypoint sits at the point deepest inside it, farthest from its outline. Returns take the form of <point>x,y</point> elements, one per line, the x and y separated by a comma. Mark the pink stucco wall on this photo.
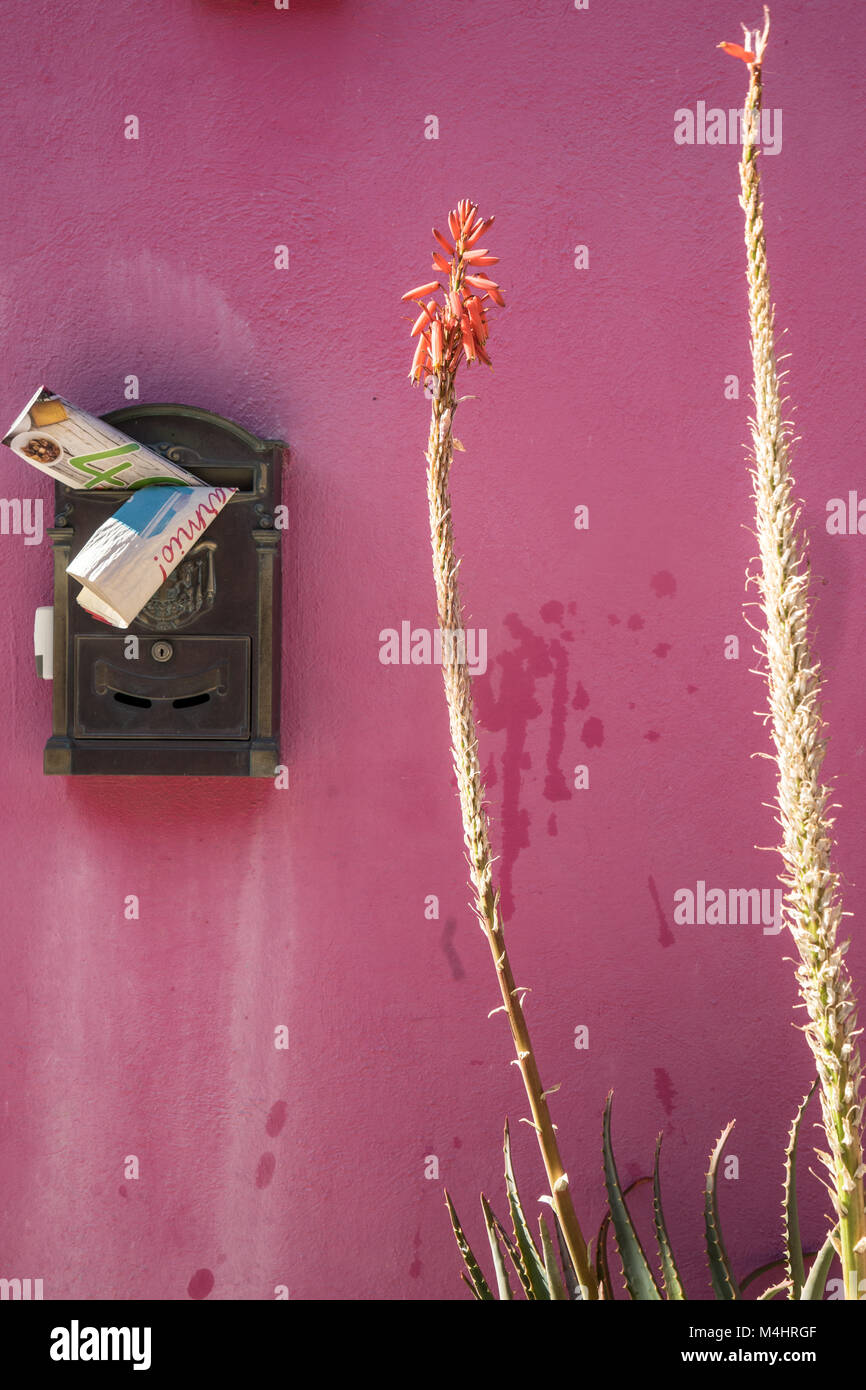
<point>305,907</point>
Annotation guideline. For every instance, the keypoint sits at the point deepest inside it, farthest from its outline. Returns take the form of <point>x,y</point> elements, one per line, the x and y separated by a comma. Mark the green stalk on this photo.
<point>464,743</point>
<point>447,330</point>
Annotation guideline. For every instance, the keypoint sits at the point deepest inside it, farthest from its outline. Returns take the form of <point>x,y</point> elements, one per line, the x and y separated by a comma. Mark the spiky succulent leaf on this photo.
<point>602,1264</point>
<point>638,1276</point>
<point>572,1283</point>
<point>515,1258</point>
<point>723,1281</point>
<point>813,1289</point>
<point>476,1281</point>
<point>673,1284</point>
<point>504,1287</point>
<point>773,1290</point>
<point>532,1261</point>
<point>558,1292</point>
<point>794,1265</point>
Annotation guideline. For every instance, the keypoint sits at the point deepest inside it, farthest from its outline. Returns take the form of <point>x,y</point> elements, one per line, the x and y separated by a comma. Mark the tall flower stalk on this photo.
<point>449,329</point>
<point>812,896</point>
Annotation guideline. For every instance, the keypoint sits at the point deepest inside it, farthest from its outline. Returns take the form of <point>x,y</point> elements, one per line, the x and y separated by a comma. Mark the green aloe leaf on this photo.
<point>476,1280</point>
<point>502,1283</point>
<point>557,1288</point>
<point>773,1290</point>
<point>813,1289</point>
<point>514,1256</point>
<point>794,1265</point>
<point>670,1274</point>
<point>532,1261</point>
<point>602,1265</point>
<point>638,1276</point>
<point>572,1283</point>
<point>723,1281</point>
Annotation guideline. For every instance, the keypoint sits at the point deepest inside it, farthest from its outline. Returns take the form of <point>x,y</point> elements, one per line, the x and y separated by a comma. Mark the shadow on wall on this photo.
<point>508,698</point>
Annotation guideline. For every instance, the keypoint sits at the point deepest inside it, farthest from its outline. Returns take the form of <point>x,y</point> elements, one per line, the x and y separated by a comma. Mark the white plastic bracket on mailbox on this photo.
<point>43,643</point>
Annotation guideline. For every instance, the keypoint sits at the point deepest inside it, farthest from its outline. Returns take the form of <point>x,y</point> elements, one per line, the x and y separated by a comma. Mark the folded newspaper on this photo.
<point>129,557</point>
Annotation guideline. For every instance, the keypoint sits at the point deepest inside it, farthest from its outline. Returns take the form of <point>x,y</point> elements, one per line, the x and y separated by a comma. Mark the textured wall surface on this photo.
<point>305,1167</point>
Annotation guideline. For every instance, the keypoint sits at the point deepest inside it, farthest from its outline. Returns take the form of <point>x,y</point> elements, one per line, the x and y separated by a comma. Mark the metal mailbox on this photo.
<point>196,692</point>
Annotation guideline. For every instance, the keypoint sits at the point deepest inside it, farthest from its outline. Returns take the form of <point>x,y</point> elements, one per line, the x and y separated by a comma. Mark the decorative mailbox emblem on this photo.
<point>188,592</point>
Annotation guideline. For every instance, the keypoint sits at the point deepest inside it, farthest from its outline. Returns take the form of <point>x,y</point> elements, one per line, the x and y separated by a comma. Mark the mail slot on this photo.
<point>192,688</point>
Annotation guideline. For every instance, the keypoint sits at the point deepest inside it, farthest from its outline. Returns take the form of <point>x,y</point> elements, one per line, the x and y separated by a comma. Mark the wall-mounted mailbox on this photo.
<point>192,687</point>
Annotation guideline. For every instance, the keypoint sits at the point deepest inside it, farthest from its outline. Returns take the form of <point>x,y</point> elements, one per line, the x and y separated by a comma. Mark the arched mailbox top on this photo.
<point>194,423</point>
<point>217,450</point>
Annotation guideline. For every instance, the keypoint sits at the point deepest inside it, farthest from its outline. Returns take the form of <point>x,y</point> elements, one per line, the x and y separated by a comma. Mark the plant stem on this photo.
<point>812,900</point>
<point>464,743</point>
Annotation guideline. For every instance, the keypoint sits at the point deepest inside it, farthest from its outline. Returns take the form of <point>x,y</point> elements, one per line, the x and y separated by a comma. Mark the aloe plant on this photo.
<point>541,1277</point>
<point>813,904</point>
<point>456,326</point>
<point>450,330</point>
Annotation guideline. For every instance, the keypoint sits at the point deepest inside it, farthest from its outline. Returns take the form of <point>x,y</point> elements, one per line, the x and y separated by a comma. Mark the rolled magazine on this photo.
<point>82,451</point>
<point>128,558</point>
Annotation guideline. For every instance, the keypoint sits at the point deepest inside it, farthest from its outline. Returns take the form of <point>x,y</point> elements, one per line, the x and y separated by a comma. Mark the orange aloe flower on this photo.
<point>736,50</point>
<point>455,326</point>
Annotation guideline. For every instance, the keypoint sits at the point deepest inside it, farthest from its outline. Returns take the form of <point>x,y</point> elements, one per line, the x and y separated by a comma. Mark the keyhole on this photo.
<point>162,651</point>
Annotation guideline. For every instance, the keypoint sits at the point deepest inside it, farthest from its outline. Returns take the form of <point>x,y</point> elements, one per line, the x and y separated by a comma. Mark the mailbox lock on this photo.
<point>162,651</point>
